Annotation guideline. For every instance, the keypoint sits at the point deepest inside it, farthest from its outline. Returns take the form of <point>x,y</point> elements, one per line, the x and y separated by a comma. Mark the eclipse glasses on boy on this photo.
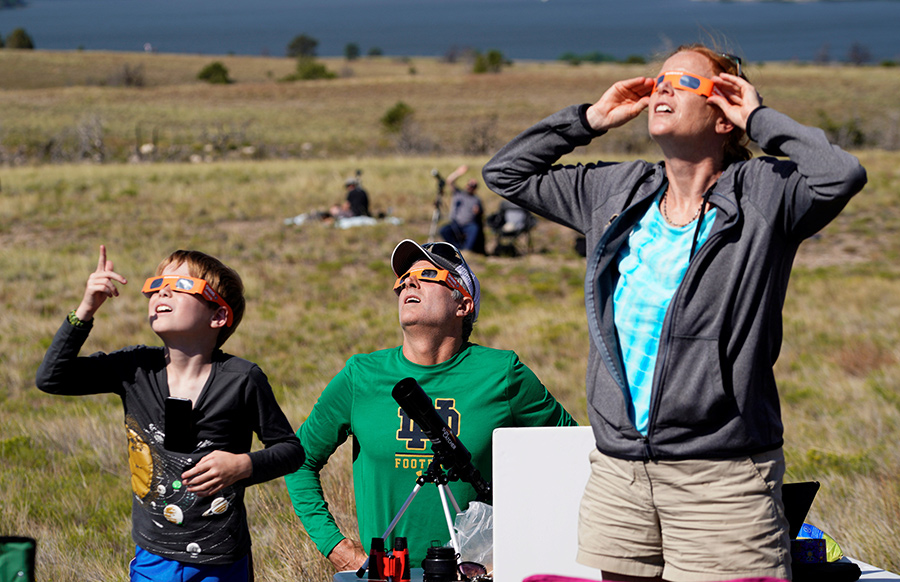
<point>432,275</point>
<point>184,284</point>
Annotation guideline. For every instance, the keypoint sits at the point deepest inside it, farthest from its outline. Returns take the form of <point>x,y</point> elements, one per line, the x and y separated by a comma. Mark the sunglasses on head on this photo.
<point>445,251</point>
<point>184,284</point>
<point>686,82</point>
<point>738,63</point>
<point>432,275</point>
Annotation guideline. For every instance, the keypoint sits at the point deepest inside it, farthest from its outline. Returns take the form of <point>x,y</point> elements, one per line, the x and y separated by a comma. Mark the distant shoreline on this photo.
<point>757,30</point>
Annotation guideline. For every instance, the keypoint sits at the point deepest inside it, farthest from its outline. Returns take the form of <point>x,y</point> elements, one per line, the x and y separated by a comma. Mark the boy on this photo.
<point>188,516</point>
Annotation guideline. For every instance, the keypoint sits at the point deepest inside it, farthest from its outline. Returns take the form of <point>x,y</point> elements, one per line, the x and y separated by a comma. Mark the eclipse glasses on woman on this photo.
<point>694,83</point>
<point>686,82</point>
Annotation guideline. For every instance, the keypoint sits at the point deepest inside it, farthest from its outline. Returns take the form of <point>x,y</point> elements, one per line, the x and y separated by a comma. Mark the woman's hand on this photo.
<point>736,97</point>
<point>100,287</point>
<point>620,103</point>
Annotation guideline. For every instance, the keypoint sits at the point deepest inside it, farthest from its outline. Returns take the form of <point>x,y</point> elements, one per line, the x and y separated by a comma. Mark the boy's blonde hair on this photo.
<point>223,279</point>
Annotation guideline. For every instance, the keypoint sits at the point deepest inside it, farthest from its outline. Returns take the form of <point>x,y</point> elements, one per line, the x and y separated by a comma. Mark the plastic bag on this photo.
<point>833,551</point>
<point>475,533</point>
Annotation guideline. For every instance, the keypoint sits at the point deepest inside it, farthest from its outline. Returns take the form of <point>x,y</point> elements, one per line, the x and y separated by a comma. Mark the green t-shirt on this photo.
<point>477,390</point>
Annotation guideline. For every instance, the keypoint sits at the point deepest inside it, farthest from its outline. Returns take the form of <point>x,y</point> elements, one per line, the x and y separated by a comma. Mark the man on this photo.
<point>466,227</point>
<point>475,390</point>
<point>356,203</point>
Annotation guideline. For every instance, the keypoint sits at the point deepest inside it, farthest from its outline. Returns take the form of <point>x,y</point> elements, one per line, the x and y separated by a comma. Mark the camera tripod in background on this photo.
<point>438,203</point>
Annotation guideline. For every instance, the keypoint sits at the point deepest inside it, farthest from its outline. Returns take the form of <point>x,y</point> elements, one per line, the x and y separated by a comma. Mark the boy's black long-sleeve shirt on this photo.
<point>236,402</point>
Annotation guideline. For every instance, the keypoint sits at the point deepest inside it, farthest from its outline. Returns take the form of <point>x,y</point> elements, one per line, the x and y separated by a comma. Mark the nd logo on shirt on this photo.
<point>416,443</point>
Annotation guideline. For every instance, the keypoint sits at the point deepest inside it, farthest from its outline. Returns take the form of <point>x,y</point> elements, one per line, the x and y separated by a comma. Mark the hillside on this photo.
<point>68,106</point>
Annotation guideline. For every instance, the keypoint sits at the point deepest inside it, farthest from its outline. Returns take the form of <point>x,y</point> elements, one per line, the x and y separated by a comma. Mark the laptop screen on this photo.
<point>798,498</point>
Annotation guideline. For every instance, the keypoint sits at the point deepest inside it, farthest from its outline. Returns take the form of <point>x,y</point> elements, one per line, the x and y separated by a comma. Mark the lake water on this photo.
<point>520,29</point>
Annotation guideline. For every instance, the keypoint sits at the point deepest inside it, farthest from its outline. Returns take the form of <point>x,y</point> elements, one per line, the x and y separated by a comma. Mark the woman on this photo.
<point>687,269</point>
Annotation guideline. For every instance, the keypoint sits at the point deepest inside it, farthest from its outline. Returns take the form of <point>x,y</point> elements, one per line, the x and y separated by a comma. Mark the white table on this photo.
<point>869,574</point>
<point>536,510</point>
<point>415,575</point>
<point>872,574</point>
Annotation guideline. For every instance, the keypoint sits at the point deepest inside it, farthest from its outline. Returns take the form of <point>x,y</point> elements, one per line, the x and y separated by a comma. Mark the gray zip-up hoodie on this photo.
<point>714,393</point>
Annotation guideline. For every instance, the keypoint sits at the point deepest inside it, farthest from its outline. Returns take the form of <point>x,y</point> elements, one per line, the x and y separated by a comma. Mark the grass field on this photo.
<point>60,105</point>
<point>317,295</point>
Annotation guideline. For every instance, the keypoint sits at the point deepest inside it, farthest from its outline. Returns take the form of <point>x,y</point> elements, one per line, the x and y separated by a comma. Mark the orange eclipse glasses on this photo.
<point>686,82</point>
<point>184,284</point>
<point>432,275</point>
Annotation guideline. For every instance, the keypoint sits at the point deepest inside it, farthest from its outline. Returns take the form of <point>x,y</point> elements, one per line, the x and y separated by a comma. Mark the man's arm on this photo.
<point>531,403</point>
<point>456,175</point>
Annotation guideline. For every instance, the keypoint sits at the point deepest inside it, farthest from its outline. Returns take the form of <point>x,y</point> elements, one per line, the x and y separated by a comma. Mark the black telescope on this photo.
<point>447,448</point>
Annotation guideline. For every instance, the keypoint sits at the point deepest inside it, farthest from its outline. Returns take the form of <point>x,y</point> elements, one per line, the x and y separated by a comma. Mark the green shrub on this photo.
<point>19,39</point>
<point>214,72</point>
<point>596,57</point>
<point>351,51</point>
<point>302,46</point>
<point>571,58</point>
<point>492,62</point>
<point>396,117</point>
<point>308,69</point>
<point>127,76</point>
<point>846,134</point>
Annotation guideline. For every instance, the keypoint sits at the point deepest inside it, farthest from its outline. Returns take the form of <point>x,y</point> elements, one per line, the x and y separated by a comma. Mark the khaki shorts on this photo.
<point>687,521</point>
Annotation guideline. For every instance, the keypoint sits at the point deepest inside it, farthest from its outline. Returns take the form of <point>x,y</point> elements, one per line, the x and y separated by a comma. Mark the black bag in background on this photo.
<point>840,571</point>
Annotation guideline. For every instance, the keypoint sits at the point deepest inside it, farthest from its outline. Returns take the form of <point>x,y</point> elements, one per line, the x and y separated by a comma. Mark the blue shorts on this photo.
<point>148,567</point>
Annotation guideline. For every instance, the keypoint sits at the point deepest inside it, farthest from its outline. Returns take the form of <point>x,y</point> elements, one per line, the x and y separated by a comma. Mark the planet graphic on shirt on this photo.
<point>174,514</point>
<point>217,507</point>
<point>140,462</point>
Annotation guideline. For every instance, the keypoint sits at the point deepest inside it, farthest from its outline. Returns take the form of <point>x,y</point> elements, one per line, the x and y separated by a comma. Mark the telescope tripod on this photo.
<point>438,202</point>
<point>434,474</point>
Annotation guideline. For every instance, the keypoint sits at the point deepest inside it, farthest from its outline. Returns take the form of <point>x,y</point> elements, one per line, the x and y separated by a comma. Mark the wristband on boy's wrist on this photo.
<point>73,319</point>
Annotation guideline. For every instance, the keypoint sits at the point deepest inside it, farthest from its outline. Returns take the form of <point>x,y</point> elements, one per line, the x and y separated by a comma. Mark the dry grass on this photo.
<point>317,295</point>
<point>50,98</point>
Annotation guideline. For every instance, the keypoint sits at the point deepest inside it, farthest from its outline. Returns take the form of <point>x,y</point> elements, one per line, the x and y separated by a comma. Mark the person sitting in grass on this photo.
<point>188,514</point>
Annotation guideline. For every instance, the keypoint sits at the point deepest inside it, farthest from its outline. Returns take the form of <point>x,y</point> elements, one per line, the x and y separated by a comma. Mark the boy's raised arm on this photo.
<point>100,286</point>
